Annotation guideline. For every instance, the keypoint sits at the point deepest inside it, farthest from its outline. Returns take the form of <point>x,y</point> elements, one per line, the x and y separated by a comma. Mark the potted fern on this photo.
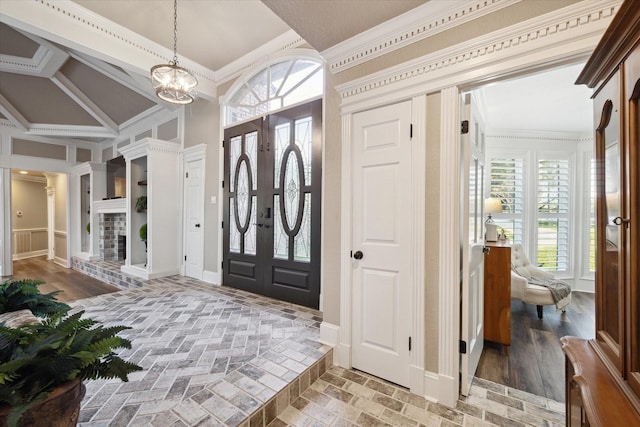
<point>43,364</point>
<point>24,294</point>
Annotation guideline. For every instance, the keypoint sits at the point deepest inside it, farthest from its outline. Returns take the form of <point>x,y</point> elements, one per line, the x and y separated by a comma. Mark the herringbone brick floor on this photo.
<point>210,354</point>
<point>213,355</point>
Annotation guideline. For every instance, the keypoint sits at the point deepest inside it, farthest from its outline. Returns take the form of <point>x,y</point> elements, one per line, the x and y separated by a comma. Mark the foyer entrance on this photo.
<point>272,189</point>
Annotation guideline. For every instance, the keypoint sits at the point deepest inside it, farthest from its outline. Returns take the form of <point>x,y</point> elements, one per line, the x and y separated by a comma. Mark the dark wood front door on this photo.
<point>273,173</point>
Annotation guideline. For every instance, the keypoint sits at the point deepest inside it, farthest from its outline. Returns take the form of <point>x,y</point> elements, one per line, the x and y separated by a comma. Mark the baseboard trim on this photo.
<point>329,334</point>
<point>212,277</point>
<point>61,261</point>
<point>32,254</point>
<point>447,390</point>
<point>342,356</point>
<point>431,386</point>
<point>416,380</point>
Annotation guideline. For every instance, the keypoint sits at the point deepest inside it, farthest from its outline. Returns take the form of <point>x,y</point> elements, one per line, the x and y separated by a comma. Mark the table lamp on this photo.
<point>492,205</point>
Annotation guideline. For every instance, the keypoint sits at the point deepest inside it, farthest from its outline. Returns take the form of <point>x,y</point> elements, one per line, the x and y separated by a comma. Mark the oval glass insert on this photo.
<point>291,189</point>
<point>242,194</point>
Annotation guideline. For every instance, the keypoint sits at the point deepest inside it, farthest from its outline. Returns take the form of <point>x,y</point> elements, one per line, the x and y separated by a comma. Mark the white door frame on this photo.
<point>191,154</point>
<point>418,159</point>
<point>564,36</point>
<point>6,259</point>
<point>51,221</point>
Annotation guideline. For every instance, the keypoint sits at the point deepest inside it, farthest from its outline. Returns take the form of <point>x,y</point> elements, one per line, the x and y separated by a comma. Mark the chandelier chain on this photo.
<point>175,32</point>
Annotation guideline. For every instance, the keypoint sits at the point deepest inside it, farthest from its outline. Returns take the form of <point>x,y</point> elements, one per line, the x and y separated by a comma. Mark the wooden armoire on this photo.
<point>603,374</point>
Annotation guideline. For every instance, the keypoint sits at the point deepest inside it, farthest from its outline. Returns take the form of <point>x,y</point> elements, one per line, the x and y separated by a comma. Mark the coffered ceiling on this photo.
<point>80,69</point>
<point>55,84</point>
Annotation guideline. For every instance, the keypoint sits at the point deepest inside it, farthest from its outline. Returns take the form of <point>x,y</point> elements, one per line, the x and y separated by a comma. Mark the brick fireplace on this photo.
<point>113,231</point>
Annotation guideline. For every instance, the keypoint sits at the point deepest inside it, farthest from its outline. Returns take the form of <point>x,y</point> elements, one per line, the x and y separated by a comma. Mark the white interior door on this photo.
<point>472,274</point>
<point>381,188</point>
<point>194,224</point>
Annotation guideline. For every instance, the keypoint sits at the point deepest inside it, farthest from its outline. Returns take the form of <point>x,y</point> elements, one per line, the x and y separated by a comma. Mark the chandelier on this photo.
<point>171,82</point>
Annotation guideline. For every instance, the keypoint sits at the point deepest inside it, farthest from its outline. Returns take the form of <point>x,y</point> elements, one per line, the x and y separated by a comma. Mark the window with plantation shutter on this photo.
<point>506,177</point>
<point>592,216</point>
<point>553,198</point>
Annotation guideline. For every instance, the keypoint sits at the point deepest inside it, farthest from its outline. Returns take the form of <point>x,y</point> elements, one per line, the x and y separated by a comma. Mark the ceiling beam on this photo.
<point>84,101</point>
<point>67,131</point>
<point>13,115</point>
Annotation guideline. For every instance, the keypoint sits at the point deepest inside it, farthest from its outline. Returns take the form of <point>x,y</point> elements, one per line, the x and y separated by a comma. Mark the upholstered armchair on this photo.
<point>522,272</point>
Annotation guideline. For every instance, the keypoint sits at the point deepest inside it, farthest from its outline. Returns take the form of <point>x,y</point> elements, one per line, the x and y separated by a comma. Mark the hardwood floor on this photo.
<point>536,362</point>
<point>73,284</point>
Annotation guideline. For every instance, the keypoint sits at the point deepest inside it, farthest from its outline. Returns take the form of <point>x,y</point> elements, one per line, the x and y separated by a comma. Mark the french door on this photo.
<point>271,238</point>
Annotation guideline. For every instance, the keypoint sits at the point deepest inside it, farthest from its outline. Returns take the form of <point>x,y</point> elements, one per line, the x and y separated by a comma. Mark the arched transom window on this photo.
<point>280,85</point>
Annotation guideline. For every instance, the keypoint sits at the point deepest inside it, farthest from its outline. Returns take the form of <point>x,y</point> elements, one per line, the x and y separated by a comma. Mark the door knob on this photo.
<point>358,255</point>
<point>197,225</point>
<point>621,221</point>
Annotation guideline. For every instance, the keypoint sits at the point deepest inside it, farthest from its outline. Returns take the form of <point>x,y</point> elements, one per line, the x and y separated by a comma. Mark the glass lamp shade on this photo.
<point>173,83</point>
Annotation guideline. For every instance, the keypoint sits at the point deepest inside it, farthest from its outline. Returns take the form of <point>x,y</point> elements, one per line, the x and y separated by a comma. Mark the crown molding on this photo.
<point>68,23</point>
<point>20,177</point>
<point>44,129</point>
<point>282,43</point>
<point>537,135</point>
<point>572,31</point>
<point>417,24</point>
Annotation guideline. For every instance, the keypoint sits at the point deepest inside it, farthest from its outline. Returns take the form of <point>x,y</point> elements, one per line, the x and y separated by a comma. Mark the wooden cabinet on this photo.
<point>497,294</point>
<point>603,375</point>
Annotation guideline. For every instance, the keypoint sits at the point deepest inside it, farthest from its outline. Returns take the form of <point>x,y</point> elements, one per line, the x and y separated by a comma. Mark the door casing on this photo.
<point>418,162</point>
<point>194,154</point>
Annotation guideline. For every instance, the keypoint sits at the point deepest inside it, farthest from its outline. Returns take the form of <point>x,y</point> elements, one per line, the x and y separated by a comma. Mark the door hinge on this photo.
<point>223,143</point>
<point>223,183</point>
<point>222,225</point>
<point>463,347</point>
<point>350,254</point>
<point>409,343</point>
<point>221,264</point>
<point>464,127</point>
<point>411,131</point>
<point>187,174</point>
<point>185,257</point>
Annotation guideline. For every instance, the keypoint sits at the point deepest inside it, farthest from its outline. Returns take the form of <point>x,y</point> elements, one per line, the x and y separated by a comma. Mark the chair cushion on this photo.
<point>538,295</point>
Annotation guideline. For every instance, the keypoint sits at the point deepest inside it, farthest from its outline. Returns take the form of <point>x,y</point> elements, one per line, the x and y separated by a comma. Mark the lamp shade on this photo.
<point>492,205</point>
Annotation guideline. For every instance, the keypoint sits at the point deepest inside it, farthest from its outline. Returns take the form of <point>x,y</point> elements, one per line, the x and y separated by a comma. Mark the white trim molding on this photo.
<point>449,249</point>
<point>417,24</point>
<point>342,334</point>
<point>213,277</point>
<point>272,49</point>
<point>418,212</point>
<point>329,334</point>
<point>6,263</point>
<point>557,37</point>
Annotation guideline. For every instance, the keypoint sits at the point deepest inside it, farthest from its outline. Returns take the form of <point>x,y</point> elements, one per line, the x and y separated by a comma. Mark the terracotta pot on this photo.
<point>60,409</point>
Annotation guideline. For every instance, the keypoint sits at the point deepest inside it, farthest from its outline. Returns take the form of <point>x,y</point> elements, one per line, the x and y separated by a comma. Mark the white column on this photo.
<point>449,244</point>
<point>6,261</point>
<point>51,220</point>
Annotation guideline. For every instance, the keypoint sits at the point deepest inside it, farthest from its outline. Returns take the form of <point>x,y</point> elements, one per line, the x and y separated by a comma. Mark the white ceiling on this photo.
<point>545,101</point>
